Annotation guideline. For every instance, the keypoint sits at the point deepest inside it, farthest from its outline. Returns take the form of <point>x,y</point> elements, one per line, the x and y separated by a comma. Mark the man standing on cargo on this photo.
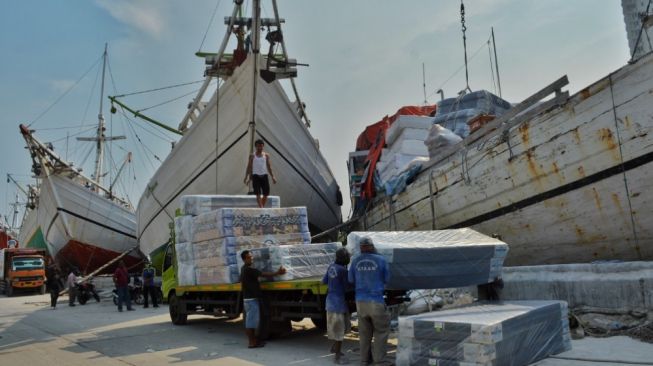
<point>369,274</point>
<point>252,294</point>
<point>258,169</point>
<point>121,280</point>
<point>337,312</point>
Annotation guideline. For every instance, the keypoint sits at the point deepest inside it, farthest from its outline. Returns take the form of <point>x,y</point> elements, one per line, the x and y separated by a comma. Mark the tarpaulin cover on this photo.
<point>503,333</point>
<point>437,258</point>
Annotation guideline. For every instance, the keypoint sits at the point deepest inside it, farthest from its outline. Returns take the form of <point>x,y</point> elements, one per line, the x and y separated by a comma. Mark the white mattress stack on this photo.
<point>300,261</point>
<point>209,236</point>
<point>405,140</point>
<point>487,334</point>
<point>437,258</point>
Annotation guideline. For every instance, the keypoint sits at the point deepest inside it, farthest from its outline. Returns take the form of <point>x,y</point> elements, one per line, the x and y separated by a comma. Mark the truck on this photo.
<point>284,301</point>
<point>22,269</point>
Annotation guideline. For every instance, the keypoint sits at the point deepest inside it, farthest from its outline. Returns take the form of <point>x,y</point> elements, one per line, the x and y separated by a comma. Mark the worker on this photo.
<point>148,285</point>
<point>121,280</point>
<point>53,279</point>
<point>369,273</point>
<point>71,283</point>
<point>258,169</point>
<point>252,294</point>
<point>337,311</point>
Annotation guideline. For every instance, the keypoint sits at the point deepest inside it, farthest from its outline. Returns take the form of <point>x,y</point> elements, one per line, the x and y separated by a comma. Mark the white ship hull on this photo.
<point>77,226</point>
<point>570,185</point>
<point>195,166</point>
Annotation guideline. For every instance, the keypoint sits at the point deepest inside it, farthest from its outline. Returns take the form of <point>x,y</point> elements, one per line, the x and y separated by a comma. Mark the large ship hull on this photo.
<point>78,227</point>
<point>569,185</point>
<point>195,166</point>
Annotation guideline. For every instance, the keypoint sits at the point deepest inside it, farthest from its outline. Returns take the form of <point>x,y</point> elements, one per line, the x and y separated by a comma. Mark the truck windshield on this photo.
<point>26,263</point>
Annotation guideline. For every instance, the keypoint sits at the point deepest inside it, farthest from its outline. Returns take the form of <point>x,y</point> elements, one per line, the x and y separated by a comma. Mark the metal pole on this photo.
<point>99,154</point>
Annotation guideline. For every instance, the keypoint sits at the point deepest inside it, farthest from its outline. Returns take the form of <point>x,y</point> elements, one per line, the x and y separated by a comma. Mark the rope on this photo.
<point>161,88</point>
<point>458,70</point>
<point>65,93</point>
<point>639,36</point>
<point>623,170</point>
<point>489,50</point>
<point>168,101</point>
<point>209,26</point>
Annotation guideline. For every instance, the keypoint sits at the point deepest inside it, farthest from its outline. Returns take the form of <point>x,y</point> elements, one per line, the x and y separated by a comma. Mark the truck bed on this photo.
<point>313,283</point>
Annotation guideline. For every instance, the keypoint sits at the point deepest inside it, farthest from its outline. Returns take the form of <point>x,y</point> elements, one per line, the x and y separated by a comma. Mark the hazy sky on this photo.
<point>365,60</point>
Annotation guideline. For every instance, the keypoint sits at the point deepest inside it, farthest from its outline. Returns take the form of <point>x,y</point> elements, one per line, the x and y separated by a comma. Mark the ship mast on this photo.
<point>256,45</point>
<point>100,137</point>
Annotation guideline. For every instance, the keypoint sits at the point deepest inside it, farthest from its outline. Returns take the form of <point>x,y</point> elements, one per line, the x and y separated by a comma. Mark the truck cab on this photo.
<point>22,270</point>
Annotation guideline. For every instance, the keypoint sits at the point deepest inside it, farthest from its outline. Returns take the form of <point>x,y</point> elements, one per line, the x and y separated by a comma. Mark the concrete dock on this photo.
<point>96,333</point>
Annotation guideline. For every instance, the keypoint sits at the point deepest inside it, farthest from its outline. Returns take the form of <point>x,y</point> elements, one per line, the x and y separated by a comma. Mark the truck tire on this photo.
<point>177,317</point>
<point>42,289</point>
<point>279,328</point>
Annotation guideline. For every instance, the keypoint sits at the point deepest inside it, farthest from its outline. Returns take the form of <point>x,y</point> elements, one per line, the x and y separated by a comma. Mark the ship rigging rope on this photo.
<point>623,168</point>
<point>457,71</point>
<point>641,30</point>
<point>158,89</point>
<point>209,26</point>
<point>66,92</point>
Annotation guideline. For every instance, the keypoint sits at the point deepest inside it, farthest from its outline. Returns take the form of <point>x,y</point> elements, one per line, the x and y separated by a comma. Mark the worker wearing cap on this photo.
<point>337,311</point>
<point>369,273</point>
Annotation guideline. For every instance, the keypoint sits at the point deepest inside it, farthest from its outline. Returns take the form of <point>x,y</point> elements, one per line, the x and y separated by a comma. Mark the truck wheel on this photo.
<point>279,328</point>
<point>175,311</point>
<point>42,289</point>
<point>320,323</point>
<point>82,298</point>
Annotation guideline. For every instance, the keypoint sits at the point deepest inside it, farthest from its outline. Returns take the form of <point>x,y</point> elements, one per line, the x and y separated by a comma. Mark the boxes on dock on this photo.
<point>436,259</point>
<point>505,333</point>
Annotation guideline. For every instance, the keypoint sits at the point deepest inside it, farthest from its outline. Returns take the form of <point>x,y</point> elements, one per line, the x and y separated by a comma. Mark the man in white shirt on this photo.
<point>258,169</point>
<point>71,283</point>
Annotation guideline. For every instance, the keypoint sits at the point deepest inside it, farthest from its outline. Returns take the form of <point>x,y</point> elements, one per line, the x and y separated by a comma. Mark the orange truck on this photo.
<point>22,269</point>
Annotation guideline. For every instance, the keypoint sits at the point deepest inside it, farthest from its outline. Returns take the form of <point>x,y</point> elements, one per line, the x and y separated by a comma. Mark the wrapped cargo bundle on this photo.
<point>440,138</point>
<point>454,113</point>
<point>249,222</point>
<point>199,204</point>
<point>300,260</point>
<point>436,259</point>
<point>183,228</point>
<point>508,333</point>
<point>217,274</point>
<point>405,123</point>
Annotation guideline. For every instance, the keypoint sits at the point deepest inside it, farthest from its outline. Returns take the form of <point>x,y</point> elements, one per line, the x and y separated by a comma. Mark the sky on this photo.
<point>365,61</point>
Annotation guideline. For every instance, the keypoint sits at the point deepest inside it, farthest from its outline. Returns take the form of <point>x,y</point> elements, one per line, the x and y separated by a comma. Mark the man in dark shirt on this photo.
<point>148,285</point>
<point>121,280</point>
<point>251,296</point>
<point>54,283</point>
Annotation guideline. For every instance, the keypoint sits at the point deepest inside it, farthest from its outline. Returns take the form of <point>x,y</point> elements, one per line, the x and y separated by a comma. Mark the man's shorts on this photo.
<point>261,185</point>
<point>252,316</point>
<point>337,325</point>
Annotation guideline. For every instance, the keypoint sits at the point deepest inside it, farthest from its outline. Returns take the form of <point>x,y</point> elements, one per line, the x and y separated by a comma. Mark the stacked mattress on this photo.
<point>454,113</point>
<point>209,236</point>
<point>405,140</point>
<point>300,261</point>
<point>509,333</point>
<point>436,259</point>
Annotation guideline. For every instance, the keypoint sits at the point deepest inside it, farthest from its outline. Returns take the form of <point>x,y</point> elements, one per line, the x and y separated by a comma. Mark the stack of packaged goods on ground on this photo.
<point>436,259</point>
<point>509,333</point>
<point>208,243</point>
<point>300,261</point>
<point>405,148</point>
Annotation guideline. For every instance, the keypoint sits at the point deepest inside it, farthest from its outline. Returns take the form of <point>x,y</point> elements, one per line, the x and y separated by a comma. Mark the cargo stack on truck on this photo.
<point>22,269</point>
<point>201,269</point>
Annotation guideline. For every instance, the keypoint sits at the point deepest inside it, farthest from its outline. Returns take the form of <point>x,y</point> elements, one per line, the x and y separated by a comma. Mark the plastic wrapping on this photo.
<point>505,333</point>
<point>439,138</point>
<point>183,228</point>
<point>409,147</point>
<point>300,261</point>
<point>217,274</point>
<point>405,122</point>
<point>398,182</point>
<point>199,204</point>
<point>436,259</point>
<point>480,99</point>
<point>249,222</point>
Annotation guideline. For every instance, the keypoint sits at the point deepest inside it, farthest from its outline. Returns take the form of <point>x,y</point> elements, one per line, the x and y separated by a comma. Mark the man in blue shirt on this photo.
<point>369,273</point>
<point>338,322</point>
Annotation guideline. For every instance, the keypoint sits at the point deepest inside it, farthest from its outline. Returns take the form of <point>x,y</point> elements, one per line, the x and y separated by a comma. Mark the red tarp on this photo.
<point>373,139</point>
